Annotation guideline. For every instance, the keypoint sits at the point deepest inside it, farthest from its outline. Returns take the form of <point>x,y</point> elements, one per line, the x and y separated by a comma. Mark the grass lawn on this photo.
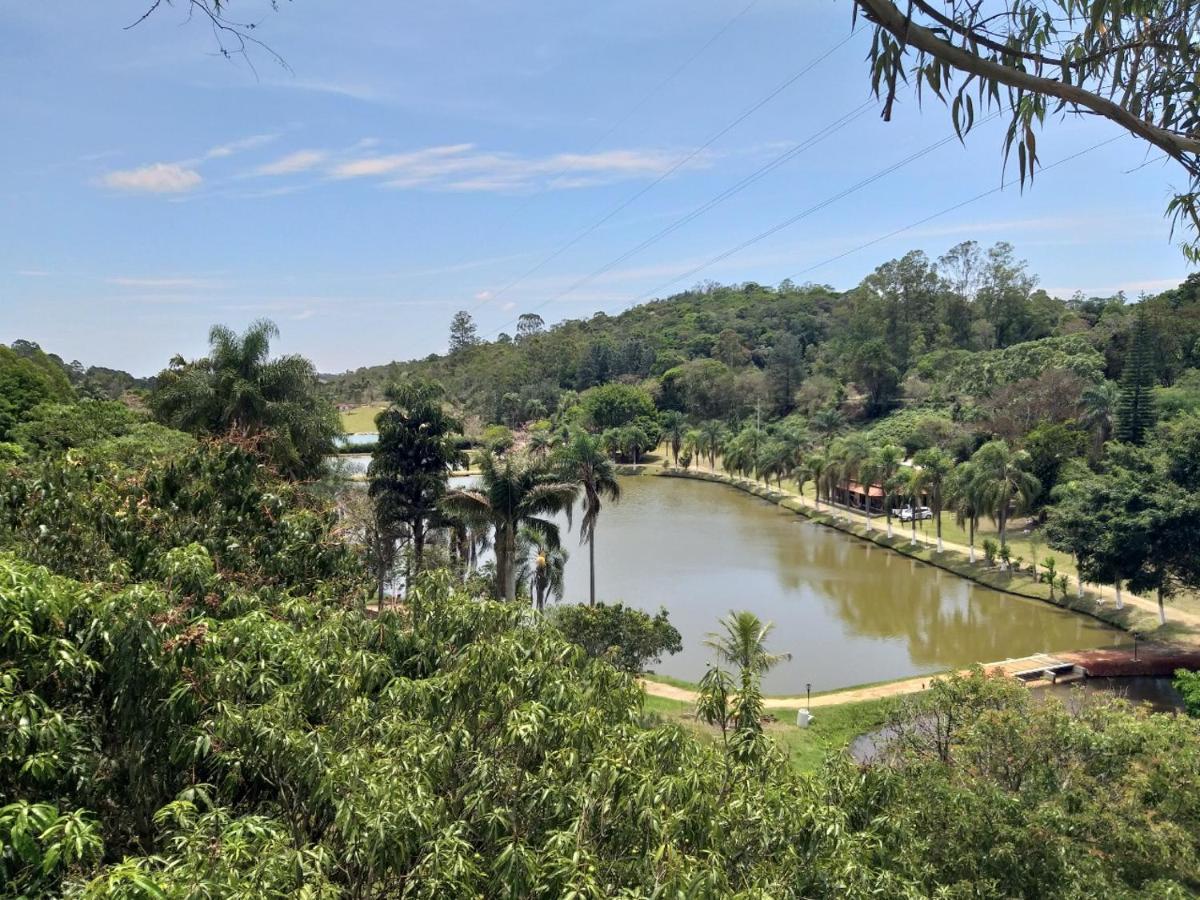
<point>832,728</point>
<point>361,419</point>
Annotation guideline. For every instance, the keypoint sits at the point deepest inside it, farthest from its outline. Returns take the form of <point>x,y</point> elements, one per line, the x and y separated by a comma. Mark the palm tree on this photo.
<point>934,469</point>
<point>544,567</point>
<point>673,424</point>
<point>712,441</point>
<point>585,463</point>
<point>868,475</point>
<point>513,492</point>
<point>962,490</point>
<point>541,442</point>
<point>886,461</point>
<point>693,445</point>
<point>1005,482</point>
<point>827,422</point>
<point>238,391</point>
<point>742,643</point>
<point>817,467</point>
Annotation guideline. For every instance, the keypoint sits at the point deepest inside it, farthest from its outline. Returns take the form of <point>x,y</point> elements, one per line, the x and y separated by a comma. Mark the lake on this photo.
<point>850,612</point>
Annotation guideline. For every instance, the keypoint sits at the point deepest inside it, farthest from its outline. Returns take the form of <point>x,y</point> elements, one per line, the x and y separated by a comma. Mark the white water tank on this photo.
<point>803,718</point>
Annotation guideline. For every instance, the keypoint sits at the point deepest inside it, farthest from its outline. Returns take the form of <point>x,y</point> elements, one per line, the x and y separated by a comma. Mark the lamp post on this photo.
<point>808,695</point>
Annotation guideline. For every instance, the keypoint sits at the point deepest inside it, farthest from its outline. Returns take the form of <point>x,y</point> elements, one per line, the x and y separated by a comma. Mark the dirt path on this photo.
<point>858,694</point>
<point>834,698</point>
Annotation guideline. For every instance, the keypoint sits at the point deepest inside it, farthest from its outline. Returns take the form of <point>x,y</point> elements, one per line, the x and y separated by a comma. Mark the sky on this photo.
<point>410,160</point>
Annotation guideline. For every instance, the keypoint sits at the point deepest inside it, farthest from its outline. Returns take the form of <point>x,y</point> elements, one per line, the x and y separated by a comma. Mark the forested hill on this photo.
<point>98,382</point>
<point>916,329</point>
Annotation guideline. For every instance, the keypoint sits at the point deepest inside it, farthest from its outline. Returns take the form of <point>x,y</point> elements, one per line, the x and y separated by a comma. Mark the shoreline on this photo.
<point>951,561</point>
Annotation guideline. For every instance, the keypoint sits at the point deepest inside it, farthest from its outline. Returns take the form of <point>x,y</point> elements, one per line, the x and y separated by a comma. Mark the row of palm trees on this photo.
<point>995,481</point>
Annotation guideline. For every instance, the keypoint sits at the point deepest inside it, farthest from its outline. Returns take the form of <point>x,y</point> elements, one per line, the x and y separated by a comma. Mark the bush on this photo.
<point>628,638</point>
<point>496,438</point>
<point>989,551</point>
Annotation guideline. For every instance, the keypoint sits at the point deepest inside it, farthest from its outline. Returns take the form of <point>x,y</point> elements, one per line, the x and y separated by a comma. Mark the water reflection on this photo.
<point>849,611</point>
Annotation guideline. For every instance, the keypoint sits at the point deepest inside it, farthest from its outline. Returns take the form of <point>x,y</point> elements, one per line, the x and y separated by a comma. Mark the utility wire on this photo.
<point>786,156</point>
<point>817,207</point>
<point>950,209</point>
<point>612,129</point>
<point>680,163</point>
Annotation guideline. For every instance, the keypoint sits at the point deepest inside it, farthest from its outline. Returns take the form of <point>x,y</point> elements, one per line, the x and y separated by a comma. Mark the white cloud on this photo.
<point>156,178</point>
<point>300,161</point>
<point>33,273</point>
<point>417,161</point>
<point>249,143</point>
<point>484,295</point>
<point>460,167</point>
<point>510,305</point>
<point>157,283</point>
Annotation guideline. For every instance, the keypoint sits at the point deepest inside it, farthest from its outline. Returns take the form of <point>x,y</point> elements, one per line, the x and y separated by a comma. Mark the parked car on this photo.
<point>908,513</point>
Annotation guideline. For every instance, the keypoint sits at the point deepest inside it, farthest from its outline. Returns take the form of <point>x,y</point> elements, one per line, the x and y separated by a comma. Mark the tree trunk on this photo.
<point>592,569</point>
<point>1120,604</point>
<point>889,521</point>
<point>939,531</point>
<point>506,571</point>
<point>1162,610</point>
<point>971,539</point>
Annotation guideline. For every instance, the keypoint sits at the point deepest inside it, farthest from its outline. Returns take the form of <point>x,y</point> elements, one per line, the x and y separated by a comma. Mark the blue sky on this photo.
<point>423,158</point>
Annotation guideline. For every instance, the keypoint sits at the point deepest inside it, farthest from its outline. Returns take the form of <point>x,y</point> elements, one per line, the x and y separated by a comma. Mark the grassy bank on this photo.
<point>361,419</point>
<point>832,729</point>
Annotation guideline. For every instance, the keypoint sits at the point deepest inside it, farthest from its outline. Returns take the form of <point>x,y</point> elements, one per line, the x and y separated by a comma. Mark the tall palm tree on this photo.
<point>674,427</point>
<point>513,492</point>
<point>742,643</point>
<point>868,475</point>
<point>544,566</point>
<point>963,492</point>
<point>887,461</point>
<point>817,466</point>
<point>585,463</point>
<point>693,445</point>
<point>934,469</point>
<point>712,438</point>
<point>1005,482</point>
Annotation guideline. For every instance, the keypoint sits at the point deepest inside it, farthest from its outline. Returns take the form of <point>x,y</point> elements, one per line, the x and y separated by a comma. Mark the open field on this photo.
<point>361,418</point>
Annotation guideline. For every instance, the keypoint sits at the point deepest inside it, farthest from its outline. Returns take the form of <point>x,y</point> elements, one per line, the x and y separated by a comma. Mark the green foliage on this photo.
<point>239,392</point>
<point>25,381</point>
<point>56,427</point>
<point>86,520</point>
<point>628,638</point>
<point>1188,685</point>
<point>977,374</point>
<point>1135,409</point>
<point>496,438</point>
<point>615,405</point>
<point>412,461</point>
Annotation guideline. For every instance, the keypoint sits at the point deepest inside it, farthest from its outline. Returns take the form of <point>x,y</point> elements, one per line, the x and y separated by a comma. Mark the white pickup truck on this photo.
<point>908,513</point>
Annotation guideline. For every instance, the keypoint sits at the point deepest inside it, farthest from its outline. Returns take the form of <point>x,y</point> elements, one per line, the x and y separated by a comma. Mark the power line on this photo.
<point>787,156</point>
<point>949,209</point>
<point>612,129</point>
<point>684,160</point>
<point>828,201</point>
